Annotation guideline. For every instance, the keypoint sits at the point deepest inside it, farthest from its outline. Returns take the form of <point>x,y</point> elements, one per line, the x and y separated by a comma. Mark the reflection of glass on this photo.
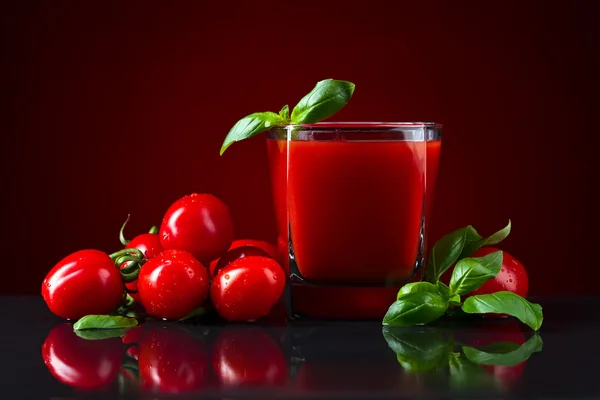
<point>166,358</point>
<point>492,356</point>
<point>352,201</point>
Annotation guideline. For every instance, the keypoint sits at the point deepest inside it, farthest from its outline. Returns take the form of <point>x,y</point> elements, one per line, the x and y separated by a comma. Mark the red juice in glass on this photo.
<point>352,201</point>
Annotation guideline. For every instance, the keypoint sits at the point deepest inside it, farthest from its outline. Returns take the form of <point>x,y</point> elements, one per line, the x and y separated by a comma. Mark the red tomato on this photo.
<point>238,252</point>
<point>199,224</point>
<point>172,284</point>
<point>149,244</point>
<point>247,288</point>
<point>247,357</point>
<point>80,363</point>
<point>512,277</point>
<point>85,282</point>
<point>267,247</point>
<point>172,361</point>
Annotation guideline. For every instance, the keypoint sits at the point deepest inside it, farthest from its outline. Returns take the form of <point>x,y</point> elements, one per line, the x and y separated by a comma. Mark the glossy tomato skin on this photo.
<point>199,224</point>
<point>247,357</point>
<point>247,288</point>
<point>238,252</point>
<point>172,361</point>
<point>80,363</point>
<point>266,246</point>
<point>149,244</point>
<point>172,284</point>
<point>512,277</point>
<point>85,274</point>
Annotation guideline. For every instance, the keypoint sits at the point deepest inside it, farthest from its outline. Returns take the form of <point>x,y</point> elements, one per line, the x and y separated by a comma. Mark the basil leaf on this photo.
<point>466,374</point>
<point>285,113</point>
<point>504,353</point>
<point>470,273</point>
<point>415,309</point>
<point>415,287</point>
<point>104,322</point>
<point>100,334</point>
<point>327,98</point>
<point>194,313</point>
<point>444,291</point>
<point>506,303</point>
<point>474,241</point>
<point>417,351</point>
<point>251,125</point>
<point>445,253</point>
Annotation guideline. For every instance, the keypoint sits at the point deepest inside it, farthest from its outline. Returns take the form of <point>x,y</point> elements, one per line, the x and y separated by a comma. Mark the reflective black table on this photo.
<point>457,358</point>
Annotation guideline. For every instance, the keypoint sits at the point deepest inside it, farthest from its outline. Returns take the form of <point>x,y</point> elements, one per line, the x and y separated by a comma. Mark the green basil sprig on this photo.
<point>327,98</point>
<point>420,303</point>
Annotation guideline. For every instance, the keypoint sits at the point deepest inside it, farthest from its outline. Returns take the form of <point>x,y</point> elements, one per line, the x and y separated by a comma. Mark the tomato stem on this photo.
<point>136,252</point>
<point>154,230</point>
<point>124,241</point>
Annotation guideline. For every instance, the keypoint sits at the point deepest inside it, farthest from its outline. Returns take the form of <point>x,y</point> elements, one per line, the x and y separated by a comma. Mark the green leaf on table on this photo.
<point>445,253</point>
<point>415,287</point>
<point>100,334</point>
<point>415,308</point>
<point>470,273</point>
<point>504,353</point>
<point>285,113</point>
<point>251,125</point>
<point>506,303</point>
<point>104,322</point>
<point>444,291</point>
<point>474,241</point>
<point>327,97</point>
<point>417,351</point>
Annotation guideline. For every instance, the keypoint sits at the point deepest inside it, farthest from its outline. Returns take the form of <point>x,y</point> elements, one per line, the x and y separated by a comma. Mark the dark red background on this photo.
<point>112,108</point>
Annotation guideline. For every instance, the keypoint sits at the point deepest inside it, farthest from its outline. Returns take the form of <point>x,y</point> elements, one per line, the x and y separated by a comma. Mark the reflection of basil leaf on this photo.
<point>417,350</point>
<point>415,309</point>
<point>465,374</point>
<point>104,322</point>
<point>470,273</point>
<point>504,353</point>
<point>506,303</point>
<point>100,334</point>
<point>474,241</point>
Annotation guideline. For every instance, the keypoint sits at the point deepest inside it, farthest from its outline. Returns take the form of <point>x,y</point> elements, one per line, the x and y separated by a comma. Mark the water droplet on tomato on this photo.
<point>226,276</point>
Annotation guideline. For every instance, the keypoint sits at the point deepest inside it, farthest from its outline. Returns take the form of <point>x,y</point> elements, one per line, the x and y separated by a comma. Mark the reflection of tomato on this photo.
<point>133,337</point>
<point>172,361</point>
<point>80,363</point>
<point>505,376</point>
<point>247,357</point>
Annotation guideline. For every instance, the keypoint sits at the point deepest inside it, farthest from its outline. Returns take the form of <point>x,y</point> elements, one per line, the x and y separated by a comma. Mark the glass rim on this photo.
<point>360,125</point>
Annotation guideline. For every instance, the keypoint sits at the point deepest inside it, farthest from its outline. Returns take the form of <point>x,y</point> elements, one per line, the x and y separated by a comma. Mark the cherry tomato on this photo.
<point>85,282</point>
<point>80,363</point>
<point>172,284</point>
<point>238,252</point>
<point>267,247</point>
<point>247,288</point>
<point>512,277</point>
<point>172,361</point>
<point>199,224</point>
<point>247,357</point>
<point>149,244</point>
